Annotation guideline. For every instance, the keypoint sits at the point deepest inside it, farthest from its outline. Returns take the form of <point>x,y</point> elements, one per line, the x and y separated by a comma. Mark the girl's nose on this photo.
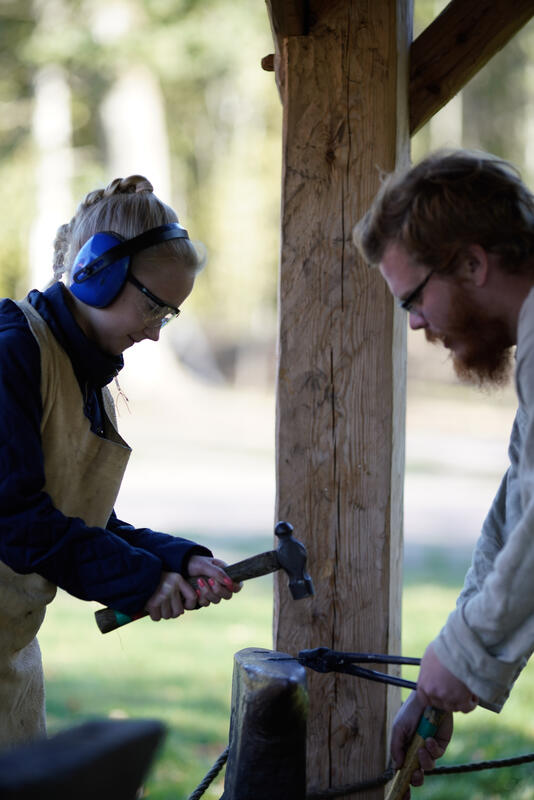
<point>152,332</point>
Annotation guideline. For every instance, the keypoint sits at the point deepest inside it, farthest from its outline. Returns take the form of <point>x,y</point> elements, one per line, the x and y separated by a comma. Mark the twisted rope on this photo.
<point>353,788</point>
<point>210,776</point>
<point>372,783</point>
<point>362,786</point>
<point>477,766</point>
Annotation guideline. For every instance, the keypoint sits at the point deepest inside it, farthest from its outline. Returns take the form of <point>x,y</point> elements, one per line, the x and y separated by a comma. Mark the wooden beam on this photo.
<point>341,370</point>
<point>288,17</point>
<point>455,47</point>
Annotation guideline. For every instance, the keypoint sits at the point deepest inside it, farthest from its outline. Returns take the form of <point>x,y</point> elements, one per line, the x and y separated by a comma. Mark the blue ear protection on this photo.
<point>101,267</point>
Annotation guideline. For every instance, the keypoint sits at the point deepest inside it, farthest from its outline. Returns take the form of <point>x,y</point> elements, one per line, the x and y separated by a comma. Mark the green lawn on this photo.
<point>180,672</point>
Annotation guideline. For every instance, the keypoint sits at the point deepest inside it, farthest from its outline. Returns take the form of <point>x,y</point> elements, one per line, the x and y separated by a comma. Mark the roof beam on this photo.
<point>288,17</point>
<point>455,47</point>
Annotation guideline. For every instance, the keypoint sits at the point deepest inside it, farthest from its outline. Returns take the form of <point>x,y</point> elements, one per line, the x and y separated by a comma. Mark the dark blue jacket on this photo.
<point>119,566</point>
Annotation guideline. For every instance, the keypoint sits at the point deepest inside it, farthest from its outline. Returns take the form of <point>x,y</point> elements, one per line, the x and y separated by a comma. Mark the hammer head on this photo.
<point>292,557</point>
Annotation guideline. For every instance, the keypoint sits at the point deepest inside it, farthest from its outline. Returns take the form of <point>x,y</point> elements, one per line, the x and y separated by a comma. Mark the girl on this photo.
<point>129,266</point>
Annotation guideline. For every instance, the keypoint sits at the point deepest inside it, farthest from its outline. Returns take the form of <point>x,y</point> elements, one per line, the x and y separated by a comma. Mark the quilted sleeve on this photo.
<point>173,551</point>
<point>89,563</point>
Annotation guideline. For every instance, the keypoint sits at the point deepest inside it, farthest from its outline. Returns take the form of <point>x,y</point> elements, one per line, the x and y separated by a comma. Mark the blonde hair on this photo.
<point>446,202</point>
<point>127,206</point>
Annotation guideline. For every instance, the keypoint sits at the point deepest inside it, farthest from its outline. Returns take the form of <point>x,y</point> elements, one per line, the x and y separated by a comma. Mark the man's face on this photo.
<point>449,310</point>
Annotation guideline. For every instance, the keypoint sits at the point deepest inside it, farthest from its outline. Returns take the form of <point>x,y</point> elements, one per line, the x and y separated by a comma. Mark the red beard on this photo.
<point>481,347</point>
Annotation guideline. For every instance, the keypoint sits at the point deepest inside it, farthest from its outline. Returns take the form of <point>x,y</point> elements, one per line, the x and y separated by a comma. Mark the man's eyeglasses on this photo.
<point>408,303</point>
<point>161,315</point>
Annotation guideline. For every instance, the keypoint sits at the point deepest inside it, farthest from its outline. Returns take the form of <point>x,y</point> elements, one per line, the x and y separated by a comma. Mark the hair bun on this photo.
<point>130,185</point>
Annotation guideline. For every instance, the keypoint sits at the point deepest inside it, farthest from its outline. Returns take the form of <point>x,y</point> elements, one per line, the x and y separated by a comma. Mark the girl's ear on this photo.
<point>474,266</point>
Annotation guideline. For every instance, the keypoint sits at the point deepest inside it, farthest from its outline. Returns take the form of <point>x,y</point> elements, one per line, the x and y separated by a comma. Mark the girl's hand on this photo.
<point>173,595</point>
<point>213,582</point>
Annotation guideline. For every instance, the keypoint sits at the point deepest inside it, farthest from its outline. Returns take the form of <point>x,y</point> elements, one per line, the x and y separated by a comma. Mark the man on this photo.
<point>454,239</point>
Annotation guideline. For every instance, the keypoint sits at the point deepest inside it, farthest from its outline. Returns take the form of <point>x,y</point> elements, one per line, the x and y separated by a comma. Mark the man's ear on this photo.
<point>475,265</point>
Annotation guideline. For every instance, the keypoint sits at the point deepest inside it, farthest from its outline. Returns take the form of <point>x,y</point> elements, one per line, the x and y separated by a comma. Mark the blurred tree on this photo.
<point>223,118</point>
<point>493,112</point>
<point>52,135</point>
<point>16,179</point>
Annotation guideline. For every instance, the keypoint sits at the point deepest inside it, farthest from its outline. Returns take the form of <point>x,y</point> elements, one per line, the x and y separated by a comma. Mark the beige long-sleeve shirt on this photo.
<point>489,637</point>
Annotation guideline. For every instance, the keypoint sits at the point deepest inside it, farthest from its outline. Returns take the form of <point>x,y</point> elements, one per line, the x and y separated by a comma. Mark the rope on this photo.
<point>353,788</point>
<point>372,783</point>
<point>477,766</point>
<point>210,776</point>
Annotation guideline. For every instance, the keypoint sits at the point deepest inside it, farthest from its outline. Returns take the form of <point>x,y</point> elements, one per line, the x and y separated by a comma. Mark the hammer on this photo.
<point>290,556</point>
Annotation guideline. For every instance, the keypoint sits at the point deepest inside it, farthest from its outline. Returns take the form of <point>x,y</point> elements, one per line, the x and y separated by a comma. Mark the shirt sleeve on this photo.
<point>489,637</point>
<point>173,551</point>
<point>90,563</point>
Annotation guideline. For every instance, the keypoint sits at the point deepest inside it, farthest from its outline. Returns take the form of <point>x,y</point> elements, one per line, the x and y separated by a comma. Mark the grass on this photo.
<point>180,672</point>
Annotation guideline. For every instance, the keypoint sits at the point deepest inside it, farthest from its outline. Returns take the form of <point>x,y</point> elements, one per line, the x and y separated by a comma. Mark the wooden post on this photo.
<point>267,753</point>
<point>341,371</point>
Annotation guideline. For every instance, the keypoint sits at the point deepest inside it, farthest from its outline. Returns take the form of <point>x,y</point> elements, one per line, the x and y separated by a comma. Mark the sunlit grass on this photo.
<point>180,672</point>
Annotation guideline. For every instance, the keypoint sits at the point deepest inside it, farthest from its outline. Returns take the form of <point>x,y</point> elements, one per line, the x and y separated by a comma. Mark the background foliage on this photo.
<point>222,124</point>
<point>222,118</point>
<point>218,139</point>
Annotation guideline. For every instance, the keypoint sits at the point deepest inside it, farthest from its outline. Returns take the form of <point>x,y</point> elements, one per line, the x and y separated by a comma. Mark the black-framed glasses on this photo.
<point>408,303</point>
<point>161,315</point>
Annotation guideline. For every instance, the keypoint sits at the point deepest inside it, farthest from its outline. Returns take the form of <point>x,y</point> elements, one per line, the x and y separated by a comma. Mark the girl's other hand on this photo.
<point>213,582</point>
<point>173,595</point>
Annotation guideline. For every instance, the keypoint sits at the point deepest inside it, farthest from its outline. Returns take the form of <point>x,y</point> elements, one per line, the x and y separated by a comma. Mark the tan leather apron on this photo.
<point>83,473</point>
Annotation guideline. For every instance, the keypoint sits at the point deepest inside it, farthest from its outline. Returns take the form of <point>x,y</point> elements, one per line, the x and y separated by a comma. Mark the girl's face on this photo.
<point>133,316</point>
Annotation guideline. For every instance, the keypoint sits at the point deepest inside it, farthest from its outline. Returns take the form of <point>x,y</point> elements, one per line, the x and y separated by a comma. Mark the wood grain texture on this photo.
<point>341,370</point>
<point>455,47</point>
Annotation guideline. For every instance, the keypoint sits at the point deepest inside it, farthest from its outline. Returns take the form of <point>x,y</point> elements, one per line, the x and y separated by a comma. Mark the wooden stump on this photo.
<point>267,755</point>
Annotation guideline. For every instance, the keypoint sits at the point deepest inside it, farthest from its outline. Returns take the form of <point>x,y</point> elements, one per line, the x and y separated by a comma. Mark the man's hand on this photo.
<point>404,727</point>
<point>437,686</point>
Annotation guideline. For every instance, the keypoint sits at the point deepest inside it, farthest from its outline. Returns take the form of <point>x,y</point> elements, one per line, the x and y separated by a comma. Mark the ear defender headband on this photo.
<point>101,267</point>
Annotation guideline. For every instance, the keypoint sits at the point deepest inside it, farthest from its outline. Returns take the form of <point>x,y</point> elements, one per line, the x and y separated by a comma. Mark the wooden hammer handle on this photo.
<point>253,567</point>
<point>428,725</point>
<point>109,620</point>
